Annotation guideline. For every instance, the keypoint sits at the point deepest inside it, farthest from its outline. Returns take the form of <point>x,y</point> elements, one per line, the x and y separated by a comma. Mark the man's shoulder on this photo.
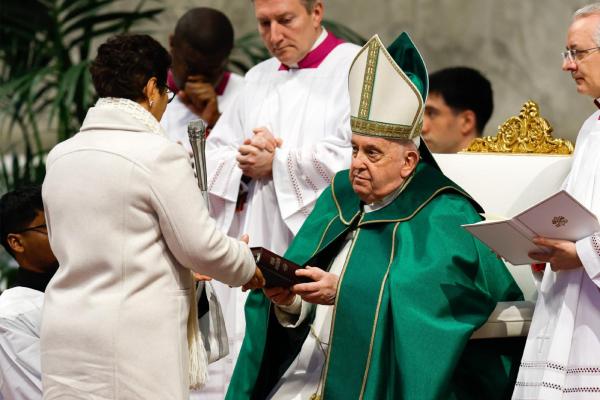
<point>590,121</point>
<point>451,204</point>
<point>19,300</point>
<point>126,144</point>
<point>235,79</point>
<point>346,49</point>
<point>268,66</point>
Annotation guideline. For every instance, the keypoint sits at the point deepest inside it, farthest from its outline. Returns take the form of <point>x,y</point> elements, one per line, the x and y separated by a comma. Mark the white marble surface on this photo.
<point>515,43</point>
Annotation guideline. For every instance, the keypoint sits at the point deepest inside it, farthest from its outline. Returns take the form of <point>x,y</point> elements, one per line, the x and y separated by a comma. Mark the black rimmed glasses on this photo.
<point>574,55</point>
<point>42,228</point>
<point>170,95</point>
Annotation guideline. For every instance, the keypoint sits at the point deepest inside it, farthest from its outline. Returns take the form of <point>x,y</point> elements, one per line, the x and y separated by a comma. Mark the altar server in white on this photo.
<point>287,134</point>
<point>561,358</point>
<point>199,75</point>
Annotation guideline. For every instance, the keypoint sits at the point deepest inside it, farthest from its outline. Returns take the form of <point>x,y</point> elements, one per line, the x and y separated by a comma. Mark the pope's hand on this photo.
<point>322,291</point>
<point>562,254</point>
<point>280,296</point>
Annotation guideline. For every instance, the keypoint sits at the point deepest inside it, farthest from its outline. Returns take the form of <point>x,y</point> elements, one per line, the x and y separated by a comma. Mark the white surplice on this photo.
<point>309,109</point>
<point>20,320</point>
<point>177,115</point>
<point>562,354</point>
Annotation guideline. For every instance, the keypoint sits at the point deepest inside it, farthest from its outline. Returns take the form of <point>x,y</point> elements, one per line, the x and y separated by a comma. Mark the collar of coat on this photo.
<point>110,113</point>
<point>427,183</point>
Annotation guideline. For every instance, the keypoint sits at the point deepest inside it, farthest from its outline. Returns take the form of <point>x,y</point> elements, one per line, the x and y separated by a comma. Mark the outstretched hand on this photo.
<point>562,254</point>
<point>322,291</point>
<point>258,280</point>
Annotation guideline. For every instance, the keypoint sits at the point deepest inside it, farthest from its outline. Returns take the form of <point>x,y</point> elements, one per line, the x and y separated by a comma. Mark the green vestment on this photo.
<point>413,289</point>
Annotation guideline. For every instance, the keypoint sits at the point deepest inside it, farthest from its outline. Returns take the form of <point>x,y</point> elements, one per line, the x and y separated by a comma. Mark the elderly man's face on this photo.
<point>287,28</point>
<point>585,69</point>
<point>379,166</point>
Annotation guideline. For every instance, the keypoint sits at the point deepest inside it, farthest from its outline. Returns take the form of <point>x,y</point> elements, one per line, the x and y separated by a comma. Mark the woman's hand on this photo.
<point>257,281</point>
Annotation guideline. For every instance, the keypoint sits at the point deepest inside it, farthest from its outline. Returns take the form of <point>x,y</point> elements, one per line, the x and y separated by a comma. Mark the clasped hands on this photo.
<point>255,156</point>
<point>322,291</point>
<point>562,254</point>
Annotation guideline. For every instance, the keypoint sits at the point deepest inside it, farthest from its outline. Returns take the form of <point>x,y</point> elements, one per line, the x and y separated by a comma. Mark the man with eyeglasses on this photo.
<point>24,236</point>
<point>202,85</point>
<point>561,358</point>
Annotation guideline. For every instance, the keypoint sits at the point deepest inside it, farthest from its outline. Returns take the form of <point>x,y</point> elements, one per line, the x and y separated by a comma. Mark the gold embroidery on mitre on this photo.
<point>526,133</point>
<point>380,129</point>
<point>366,94</point>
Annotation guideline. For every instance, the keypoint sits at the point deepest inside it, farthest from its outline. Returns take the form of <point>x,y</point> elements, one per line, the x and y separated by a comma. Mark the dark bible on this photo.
<point>278,271</point>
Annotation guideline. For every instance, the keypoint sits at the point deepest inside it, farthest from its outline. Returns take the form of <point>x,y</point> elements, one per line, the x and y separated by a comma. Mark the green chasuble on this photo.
<point>414,287</point>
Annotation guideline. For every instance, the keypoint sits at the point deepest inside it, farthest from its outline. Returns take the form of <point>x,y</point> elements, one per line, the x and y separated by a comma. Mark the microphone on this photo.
<point>196,134</point>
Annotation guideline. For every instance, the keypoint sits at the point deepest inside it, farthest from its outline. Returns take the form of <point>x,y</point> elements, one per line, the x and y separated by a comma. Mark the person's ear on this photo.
<point>15,243</point>
<point>317,14</point>
<point>151,92</point>
<point>468,122</point>
<point>411,158</point>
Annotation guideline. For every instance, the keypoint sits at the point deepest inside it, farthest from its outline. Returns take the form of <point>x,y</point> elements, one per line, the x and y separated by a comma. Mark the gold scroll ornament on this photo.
<point>526,133</point>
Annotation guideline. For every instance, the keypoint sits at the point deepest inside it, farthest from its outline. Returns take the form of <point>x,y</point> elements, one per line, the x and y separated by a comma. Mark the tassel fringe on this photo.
<point>198,357</point>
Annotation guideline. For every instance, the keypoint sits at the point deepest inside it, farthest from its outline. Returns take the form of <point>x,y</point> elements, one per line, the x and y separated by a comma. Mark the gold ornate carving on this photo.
<point>526,133</point>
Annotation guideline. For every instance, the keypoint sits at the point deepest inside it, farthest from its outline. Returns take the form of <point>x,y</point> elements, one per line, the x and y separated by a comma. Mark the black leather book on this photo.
<point>278,271</point>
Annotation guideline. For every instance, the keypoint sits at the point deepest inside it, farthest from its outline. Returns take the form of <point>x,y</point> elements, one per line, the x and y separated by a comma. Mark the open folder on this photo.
<point>559,216</point>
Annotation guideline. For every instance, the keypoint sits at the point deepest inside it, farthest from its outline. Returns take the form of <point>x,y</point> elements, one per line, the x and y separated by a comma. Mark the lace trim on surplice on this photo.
<point>571,370</point>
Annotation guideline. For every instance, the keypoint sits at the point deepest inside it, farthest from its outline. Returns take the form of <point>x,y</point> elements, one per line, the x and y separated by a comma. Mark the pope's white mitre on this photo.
<point>384,101</point>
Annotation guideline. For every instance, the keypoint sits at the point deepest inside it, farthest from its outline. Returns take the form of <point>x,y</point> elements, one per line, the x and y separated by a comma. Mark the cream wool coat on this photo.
<point>126,221</point>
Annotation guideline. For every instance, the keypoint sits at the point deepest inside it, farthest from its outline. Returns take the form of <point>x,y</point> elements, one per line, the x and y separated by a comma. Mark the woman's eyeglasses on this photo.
<point>170,95</point>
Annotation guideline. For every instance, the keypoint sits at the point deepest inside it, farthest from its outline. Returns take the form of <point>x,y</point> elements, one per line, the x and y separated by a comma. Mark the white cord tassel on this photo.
<point>198,358</point>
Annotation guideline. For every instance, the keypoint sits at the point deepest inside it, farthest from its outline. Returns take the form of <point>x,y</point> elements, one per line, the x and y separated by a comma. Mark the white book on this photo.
<point>559,216</point>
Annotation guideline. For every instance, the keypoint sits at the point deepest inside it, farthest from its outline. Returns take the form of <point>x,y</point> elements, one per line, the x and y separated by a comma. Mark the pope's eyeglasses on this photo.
<point>574,55</point>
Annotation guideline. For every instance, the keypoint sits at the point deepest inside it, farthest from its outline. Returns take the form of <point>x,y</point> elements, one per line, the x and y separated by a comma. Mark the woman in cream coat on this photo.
<point>127,223</point>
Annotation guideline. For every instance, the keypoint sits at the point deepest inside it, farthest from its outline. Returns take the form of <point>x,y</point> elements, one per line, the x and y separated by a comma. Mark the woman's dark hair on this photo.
<point>125,63</point>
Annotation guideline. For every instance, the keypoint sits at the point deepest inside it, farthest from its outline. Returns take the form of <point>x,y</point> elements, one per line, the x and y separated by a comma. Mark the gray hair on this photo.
<point>590,9</point>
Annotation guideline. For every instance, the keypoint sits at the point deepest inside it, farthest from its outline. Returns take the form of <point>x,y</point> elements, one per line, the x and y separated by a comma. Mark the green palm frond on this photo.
<point>45,50</point>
